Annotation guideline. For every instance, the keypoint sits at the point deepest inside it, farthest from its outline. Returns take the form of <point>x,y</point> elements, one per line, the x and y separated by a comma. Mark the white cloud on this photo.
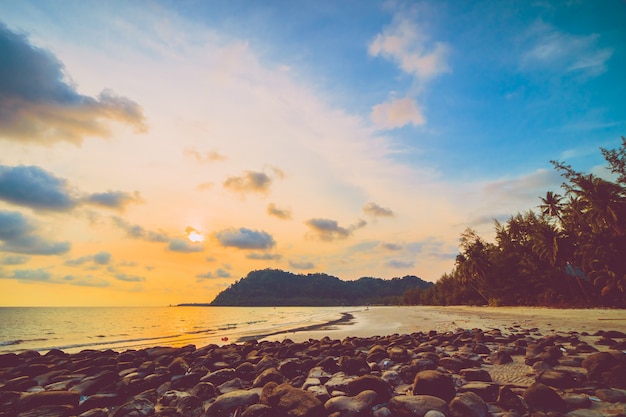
<point>404,43</point>
<point>566,51</point>
<point>397,113</point>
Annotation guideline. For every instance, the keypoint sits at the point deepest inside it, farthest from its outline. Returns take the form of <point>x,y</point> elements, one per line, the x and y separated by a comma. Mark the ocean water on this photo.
<point>73,329</point>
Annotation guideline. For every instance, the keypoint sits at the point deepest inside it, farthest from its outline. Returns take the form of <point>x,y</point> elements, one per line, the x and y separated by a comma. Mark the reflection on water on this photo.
<point>76,328</point>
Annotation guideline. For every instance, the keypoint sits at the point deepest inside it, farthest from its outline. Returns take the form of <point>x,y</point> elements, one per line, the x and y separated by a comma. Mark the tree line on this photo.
<point>274,287</point>
<point>570,251</point>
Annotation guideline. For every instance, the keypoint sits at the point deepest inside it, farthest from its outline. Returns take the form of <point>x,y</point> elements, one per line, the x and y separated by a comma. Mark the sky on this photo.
<point>155,152</point>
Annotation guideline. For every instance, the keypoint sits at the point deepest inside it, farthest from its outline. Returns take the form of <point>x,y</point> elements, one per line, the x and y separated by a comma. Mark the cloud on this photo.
<point>566,51</point>
<point>18,235</point>
<point>205,157</point>
<point>117,200</point>
<point>205,186</point>
<point>301,265</point>
<point>397,113</point>
<point>396,264</point>
<point>219,273</point>
<point>391,246</point>
<point>129,278</point>
<point>136,231</point>
<point>375,210</point>
<point>243,238</point>
<point>525,187</point>
<point>88,282</point>
<point>403,43</point>
<point>36,188</point>
<point>283,214</point>
<point>100,258</point>
<point>263,256</point>
<point>14,260</point>
<point>250,181</point>
<point>38,105</point>
<point>329,230</point>
<point>184,246</point>
<point>31,275</point>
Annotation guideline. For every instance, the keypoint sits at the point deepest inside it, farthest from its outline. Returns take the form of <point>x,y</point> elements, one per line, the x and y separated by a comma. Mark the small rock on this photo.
<point>416,405</point>
<point>541,397</point>
<point>468,404</point>
<point>434,383</point>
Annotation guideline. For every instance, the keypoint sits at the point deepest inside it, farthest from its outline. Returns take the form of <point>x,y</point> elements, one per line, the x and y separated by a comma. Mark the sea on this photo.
<point>73,329</point>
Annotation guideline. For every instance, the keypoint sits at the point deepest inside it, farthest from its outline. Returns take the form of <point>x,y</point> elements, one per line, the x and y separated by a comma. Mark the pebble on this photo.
<point>433,374</point>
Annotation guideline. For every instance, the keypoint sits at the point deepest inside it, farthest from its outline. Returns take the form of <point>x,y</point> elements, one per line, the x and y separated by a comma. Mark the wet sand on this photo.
<point>383,321</point>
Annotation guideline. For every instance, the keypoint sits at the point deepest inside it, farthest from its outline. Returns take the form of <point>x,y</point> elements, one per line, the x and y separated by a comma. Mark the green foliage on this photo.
<point>274,287</point>
<point>571,253</point>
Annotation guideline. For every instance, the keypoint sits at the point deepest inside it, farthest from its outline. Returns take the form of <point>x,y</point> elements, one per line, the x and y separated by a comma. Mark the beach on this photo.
<point>380,320</point>
<point>366,361</point>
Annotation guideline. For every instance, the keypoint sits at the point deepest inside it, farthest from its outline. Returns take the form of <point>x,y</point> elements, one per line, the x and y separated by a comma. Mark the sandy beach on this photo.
<point>369,362</point>
<point>383,321</point>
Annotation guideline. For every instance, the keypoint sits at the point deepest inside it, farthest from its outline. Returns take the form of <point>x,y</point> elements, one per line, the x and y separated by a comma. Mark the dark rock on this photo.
<point>488,391</point>
<point>268,375</point>
<point>229,402</point>
<point>475,374</point>
<point>232,385</point>
<point>611,395</point>
<point>94,384</point>
<point>96,412</point>
<point>416,405</point>
<point>138,407</point>
<point>500,357</point>
<point>45,398</point>
<point>452,364</point>
<point>353,365</point>
<point>178,366</point>
<point>287,400</point>
<point>468,404</point>
<point>372,383</point>
<point>258,410</point>
<point>559,379</point>
<point>220,376</point>
<point>99,401</point>
<point>434,383</point>
<point>508,400</point>
<point>356,406</point>
<point>377,353</point>
<point>576,401</point>
<point>203,390</point>
<point>49,411</point>
<point>607,368</point>
<point>338,382</point>
<point>184,382</point>
<point>541,397</point>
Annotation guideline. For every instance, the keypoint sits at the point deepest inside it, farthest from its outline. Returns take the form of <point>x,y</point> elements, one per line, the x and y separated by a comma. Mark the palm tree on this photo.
<point>551,205</point>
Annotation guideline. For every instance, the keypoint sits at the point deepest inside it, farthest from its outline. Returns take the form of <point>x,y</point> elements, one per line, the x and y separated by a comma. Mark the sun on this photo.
<point>194,235</point>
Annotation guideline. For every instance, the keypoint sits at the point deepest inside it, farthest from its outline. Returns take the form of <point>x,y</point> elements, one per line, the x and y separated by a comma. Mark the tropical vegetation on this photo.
<point>569,251</point>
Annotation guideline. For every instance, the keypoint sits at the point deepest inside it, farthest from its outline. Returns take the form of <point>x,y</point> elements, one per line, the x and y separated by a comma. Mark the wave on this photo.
<point>11,342</point>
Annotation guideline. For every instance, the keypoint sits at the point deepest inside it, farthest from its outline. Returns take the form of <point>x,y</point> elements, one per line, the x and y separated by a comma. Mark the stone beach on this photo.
<point>510,371</point>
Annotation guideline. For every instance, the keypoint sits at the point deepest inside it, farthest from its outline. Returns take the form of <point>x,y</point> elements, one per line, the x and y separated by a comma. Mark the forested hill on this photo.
<point>273,287</point>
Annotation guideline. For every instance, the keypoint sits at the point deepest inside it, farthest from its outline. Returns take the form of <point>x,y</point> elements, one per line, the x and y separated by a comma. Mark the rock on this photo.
<point>137,407</point>
<point>575,401</point>
<point>220,376</point>
<point>178,366</point>
<point>203,390</point>
<point>190,406</point>
<point>541,397</point>
<point>94,384</point>
<point>96,412</point>
<point>468,404</point>
<point>268,375</point>
<point>99,401</point>
<point>434,383</point>
<point>488,391</point>
<point>257,410</point>
<point>611,395</point>
<point>452,364</point>
<point>475,374</point>
<point>232,385</point>
<point>229,402</point>
<point>558,379</point>
<point>416,405</point>
<point>377,353</point>
<point>320,392</point>
<point>508,400</point>
<point>500,357</point>
<point>357,406</point>
<point>291,401</point>
<point>607,368</point>
<point>45,398</point>
<point>338,382</point>
<point>353,365</point>
<point>373,383</point>
<point>49,411</point>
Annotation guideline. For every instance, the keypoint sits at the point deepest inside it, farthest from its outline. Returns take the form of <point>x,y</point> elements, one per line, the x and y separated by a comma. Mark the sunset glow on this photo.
<point>155,152</point>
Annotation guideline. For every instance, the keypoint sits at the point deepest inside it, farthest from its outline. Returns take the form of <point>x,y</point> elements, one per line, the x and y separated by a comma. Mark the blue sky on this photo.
<point>200,140</point>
